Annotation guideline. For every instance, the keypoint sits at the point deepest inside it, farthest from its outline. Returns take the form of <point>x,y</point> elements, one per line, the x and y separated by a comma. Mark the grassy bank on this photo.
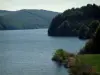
<point>78,64</point>
<point>91,59</point>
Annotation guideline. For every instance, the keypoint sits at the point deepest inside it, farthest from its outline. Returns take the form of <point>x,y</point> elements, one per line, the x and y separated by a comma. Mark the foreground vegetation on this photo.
<point>83,22</point>
<point>86,64</point>
<point>92,46</point>
<point>92,60</point>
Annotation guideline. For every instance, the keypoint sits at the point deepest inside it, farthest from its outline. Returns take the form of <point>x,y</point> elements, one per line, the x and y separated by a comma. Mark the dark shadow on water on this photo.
<point>58,64</point>
<point>60,70</point>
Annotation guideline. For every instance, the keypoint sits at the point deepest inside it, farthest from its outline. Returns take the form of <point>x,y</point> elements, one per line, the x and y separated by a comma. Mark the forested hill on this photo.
<point>25,19</point>
<point>75,21</point>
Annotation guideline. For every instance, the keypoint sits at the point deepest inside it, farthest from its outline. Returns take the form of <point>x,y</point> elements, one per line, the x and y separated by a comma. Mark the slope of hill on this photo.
<point>25,19</point>
<point>76,19</point>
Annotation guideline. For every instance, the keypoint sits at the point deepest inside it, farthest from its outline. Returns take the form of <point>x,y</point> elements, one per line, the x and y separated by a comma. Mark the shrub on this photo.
<point>81,68</point>
<point>60,56</point>
<point>64,58</point>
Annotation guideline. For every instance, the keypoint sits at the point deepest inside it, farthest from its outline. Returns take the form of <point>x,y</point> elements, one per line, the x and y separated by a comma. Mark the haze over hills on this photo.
<point>25,19</point>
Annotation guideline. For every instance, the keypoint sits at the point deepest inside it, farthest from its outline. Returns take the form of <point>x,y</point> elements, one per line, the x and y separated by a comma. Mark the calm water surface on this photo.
<point>29,52</point>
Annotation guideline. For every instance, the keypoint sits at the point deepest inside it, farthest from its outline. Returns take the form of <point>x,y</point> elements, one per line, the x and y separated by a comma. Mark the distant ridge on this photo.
<point>25,19</point>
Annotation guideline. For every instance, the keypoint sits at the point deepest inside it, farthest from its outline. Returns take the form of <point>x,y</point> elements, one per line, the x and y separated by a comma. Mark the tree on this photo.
<point>76,17</point>
<point>93,45</point>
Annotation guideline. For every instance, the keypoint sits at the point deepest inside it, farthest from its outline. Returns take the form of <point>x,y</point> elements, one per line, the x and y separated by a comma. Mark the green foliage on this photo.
<point>88,31</point>
<point>92,60</point>
<point>92,27</point>
<point>97,37</point>
<point>70,21</point>
<point>83,32</point>
<point>87,65</point>
<point>80,70</point>
<point>94,24</point>
<point>56,21</point>
<point>84,64</point>
<point>92,46</point>
<point>88,48</point>
<point>60,55</point>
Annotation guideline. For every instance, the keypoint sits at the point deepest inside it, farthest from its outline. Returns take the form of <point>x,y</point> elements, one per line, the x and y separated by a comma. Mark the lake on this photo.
<point>29,52</point>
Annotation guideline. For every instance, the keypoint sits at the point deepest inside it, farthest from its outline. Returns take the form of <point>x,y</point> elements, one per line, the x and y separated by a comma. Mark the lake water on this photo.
<point>29,52</point>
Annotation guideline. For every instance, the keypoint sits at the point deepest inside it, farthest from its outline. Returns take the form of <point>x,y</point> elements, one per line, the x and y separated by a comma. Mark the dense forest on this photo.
<point>81,22</point>
<point>92,46</point>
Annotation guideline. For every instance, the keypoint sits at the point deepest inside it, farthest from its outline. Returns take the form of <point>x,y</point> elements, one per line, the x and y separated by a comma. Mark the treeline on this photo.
<point>76,22</point>
<point>92,46</point>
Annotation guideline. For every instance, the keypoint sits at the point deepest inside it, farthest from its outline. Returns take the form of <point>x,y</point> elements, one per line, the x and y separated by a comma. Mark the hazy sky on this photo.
<point>53,5</point>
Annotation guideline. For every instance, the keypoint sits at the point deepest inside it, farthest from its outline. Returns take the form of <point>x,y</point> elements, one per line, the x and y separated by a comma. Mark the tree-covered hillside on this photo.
<point>75,21</point>
<point>92,46</point>
<point>25,19</point>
